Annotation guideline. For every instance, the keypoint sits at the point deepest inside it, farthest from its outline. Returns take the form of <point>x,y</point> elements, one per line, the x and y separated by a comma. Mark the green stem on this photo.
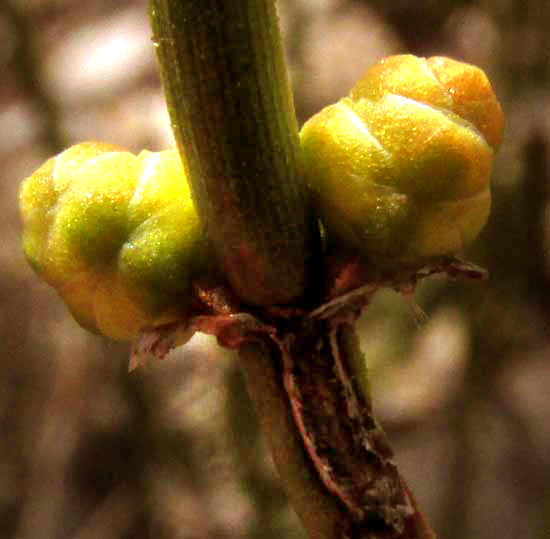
<point>320,513</point>
<point>265,491</point>
<point>231,109</point>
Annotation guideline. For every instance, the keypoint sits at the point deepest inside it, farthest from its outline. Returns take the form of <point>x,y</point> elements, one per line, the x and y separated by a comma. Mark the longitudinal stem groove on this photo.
<point>231,108</point>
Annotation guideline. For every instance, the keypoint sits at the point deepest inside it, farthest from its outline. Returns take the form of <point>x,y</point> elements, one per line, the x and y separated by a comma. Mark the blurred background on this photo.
<point>173,451</point>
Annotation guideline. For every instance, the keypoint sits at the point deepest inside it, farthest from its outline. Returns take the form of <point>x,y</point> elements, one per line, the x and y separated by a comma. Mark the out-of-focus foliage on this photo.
<point>88,450</point>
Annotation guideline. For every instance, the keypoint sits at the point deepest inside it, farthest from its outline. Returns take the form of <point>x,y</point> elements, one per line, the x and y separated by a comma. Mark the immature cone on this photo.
<point>115,234</point>
<point>400,168</point>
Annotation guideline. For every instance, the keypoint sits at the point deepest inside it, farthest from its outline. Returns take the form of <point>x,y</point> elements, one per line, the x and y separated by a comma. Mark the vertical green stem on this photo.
<point>231,109</point>
<point>225,79</point>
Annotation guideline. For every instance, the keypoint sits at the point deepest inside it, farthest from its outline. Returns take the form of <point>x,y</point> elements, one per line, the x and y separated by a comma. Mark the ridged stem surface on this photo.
<point>231,109</point>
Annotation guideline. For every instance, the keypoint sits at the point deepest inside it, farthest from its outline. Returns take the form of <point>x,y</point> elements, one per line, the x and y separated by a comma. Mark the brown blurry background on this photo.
<point>172,451</point>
